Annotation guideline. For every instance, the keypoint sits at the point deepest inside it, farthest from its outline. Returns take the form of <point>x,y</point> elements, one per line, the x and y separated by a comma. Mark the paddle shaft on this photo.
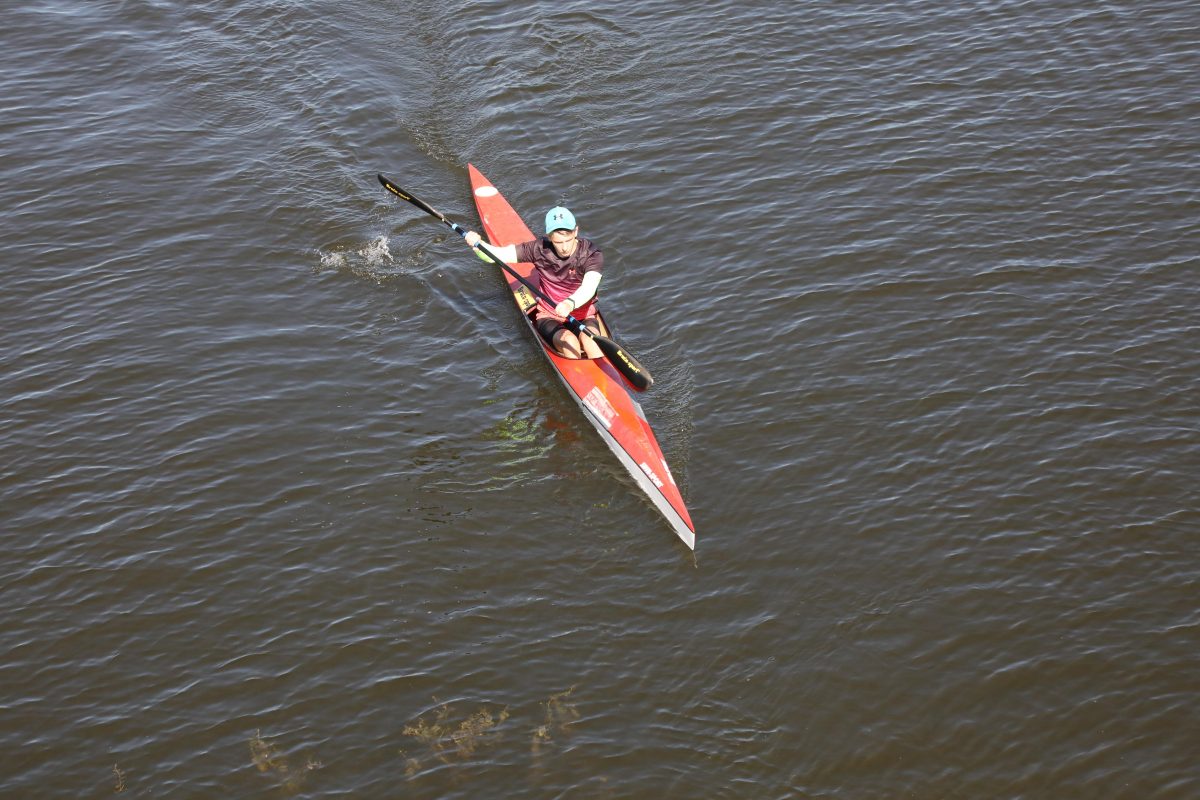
<point>625,363</point>
<point>461,231</point>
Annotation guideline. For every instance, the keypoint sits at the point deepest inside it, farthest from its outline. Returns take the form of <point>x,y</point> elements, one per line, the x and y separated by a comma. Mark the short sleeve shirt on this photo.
<point>559,277</point>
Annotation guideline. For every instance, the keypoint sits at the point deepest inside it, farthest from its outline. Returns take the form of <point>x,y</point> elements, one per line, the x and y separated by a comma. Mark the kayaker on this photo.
<point>567,269</point>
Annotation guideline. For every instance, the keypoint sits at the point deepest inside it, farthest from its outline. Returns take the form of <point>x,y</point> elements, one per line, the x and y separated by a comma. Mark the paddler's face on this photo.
<point>564,242</point>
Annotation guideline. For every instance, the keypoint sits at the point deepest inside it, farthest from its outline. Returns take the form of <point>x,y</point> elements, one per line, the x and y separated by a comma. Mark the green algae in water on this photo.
<point>513,428</point>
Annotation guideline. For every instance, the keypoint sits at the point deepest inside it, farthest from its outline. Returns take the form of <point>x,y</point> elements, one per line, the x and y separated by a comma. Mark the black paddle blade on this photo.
<point>416,201</point>
<point>626,364</point>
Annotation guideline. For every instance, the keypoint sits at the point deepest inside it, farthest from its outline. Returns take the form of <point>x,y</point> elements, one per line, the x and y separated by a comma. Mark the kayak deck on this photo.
<point>605,397</point>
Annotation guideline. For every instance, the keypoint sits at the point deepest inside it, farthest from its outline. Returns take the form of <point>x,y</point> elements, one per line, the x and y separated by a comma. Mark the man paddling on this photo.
<point>568,270</point>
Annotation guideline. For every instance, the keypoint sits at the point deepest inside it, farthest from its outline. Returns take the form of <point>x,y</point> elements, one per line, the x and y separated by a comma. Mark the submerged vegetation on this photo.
<point>448,737</point>
<point>448,740</point>
<point>266,758</point>
<point>560,715</point>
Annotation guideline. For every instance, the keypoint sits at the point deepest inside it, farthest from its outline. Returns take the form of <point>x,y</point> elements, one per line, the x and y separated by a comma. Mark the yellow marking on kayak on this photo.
<point>525,299</point>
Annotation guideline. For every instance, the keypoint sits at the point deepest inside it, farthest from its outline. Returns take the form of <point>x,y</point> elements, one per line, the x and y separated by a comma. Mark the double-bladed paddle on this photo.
<point>624,363</point>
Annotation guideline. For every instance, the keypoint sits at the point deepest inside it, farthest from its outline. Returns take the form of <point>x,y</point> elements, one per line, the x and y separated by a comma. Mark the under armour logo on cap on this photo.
<point>559,219</point>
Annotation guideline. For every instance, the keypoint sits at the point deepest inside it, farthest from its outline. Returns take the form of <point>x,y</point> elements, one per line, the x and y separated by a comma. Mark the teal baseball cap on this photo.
<point>559,219</point>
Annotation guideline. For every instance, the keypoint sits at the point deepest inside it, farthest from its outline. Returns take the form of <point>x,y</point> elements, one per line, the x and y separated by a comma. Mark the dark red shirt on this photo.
<point>559,277</point>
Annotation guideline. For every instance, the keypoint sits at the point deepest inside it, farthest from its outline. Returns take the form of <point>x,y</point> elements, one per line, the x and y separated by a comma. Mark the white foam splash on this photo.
<point>377,252</point>
<point>333,260</point>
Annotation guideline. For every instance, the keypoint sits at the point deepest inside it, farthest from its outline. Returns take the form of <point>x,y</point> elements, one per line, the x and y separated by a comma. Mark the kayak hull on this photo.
<point>606,398</point>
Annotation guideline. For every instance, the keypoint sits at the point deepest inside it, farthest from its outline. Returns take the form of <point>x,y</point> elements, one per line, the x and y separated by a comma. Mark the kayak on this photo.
<point>604,395</point>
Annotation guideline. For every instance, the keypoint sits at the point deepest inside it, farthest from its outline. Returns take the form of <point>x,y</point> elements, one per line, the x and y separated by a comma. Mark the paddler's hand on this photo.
<point>472,238</point>
<point>565,307</point>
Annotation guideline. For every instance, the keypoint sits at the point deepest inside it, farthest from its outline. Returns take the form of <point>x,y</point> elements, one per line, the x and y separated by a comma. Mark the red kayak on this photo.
<point>601,391</point>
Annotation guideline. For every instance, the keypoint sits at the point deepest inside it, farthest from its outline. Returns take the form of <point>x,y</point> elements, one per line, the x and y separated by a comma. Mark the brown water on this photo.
<point>292,507</point>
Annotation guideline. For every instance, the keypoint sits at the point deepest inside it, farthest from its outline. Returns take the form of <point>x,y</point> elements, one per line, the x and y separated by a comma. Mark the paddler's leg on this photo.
<point>556,336</point>
<point>589,346</point>
<point>567,343</point>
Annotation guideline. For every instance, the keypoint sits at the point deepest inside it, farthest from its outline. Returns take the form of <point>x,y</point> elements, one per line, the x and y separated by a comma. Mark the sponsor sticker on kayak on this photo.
<point>650,474</point>
<point>598,403</point>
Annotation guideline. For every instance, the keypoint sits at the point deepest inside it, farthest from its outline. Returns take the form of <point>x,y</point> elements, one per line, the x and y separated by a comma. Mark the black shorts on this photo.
<point>548,326</point>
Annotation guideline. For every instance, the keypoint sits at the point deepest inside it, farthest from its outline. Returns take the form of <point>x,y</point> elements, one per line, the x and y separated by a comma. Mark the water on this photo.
<point>292,506</point>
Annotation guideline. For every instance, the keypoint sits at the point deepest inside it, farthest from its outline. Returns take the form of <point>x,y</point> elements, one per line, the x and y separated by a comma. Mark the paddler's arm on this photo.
<point>577,298</point>
<point>508,252</point>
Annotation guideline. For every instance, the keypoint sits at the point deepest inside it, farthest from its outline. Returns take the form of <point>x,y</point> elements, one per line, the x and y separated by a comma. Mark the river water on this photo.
<point>292,506</point>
